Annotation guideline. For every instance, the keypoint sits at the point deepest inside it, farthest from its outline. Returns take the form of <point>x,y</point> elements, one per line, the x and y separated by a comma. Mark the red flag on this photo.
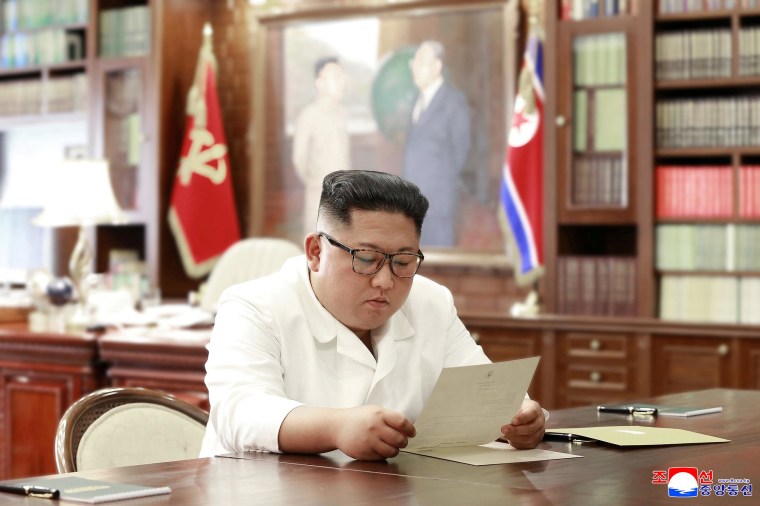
<point>522,181</point>
<point>202,213</point>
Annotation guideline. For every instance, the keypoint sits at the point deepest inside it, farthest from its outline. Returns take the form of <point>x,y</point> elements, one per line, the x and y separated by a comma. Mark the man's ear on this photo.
<point>313,248</point>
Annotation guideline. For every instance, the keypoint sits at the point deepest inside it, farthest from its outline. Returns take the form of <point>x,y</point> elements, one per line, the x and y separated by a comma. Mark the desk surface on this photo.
<point>606,475</point>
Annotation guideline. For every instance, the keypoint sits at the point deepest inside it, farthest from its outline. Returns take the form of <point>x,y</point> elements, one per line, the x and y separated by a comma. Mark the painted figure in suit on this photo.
<point>320,141</point>
<point>437,143</point>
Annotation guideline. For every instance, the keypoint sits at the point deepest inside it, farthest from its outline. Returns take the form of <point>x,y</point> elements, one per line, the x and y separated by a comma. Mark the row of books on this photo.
<point>599,181</point>
<point>32,14</point>
<point>693,54</point>
<point>749,191</point>
<point>599,59</point>
<point>125,32</point>
<point>596,285</point>
<point>33,96</point>
<point>700,54</point>
<point>694,191</point>
<point>681,6</point>
<point>749,51</point>
<point>584,9</point>
<point>707,247</point>
<point>715,299</point>
<point>708,122</point>
<point>45,47</point>
<point>603,110</point>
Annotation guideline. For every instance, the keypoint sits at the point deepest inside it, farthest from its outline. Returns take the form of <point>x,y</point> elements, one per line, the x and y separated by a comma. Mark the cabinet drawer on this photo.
<point>589,376</point>
<point>595,345</point>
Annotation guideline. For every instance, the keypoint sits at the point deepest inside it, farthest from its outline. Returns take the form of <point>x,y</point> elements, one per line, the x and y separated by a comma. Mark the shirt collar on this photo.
<point>325,327</point>
<point>429,92</point>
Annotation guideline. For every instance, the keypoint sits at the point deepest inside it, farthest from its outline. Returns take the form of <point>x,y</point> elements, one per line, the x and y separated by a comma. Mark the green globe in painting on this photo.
<point>393,94</point>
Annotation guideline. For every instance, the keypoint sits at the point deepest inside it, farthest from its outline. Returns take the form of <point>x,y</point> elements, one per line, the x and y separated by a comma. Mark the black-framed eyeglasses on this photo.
<point>370,261</point>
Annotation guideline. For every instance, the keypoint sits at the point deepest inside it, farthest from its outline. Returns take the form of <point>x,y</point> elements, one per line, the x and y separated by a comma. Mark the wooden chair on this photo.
<point>115,427</point>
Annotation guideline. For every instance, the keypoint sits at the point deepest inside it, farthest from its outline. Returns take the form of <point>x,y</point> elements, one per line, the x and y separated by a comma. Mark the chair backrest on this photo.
<point>115,427</point>
<point>247,259</point>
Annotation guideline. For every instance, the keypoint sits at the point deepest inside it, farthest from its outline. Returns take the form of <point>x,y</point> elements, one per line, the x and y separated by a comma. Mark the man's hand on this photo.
<point>372,432</point>
<point>527,427</point>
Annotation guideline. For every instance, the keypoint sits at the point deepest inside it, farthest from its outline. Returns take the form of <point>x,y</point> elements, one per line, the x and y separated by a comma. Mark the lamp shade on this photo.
<point>80,194</point>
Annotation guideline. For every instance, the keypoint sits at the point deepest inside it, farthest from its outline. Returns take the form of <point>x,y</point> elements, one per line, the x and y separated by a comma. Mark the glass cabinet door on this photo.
<point>598,172</point>
<point>122,132</point>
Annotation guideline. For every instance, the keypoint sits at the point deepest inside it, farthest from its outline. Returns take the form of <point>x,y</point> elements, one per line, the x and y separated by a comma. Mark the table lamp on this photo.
<point>80,194</point>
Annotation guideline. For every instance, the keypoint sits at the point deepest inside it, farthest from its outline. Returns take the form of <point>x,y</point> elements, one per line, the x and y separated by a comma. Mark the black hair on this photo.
<point>322,62</point>
<point>346,190</point>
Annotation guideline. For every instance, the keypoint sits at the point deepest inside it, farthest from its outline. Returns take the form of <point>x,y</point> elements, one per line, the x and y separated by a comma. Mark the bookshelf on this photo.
<point>122,70</point>
<point>670,201</point>
<point>597,157</point>
<point>44,61</point>
<point>146,51</point>
<point>707,149</point>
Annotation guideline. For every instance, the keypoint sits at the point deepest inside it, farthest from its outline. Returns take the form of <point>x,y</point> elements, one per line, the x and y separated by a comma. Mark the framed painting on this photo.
<point>351,89</point>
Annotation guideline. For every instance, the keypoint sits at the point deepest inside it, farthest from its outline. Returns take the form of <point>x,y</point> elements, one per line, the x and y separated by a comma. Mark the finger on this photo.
<point>525,428</point>
<point>394,438</point>
<point>384,450</point>
<point>400,423</point>
<point>529,411</point>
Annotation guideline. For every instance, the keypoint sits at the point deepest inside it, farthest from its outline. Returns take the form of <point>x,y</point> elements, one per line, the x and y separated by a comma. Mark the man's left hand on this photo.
<point>527,427</point>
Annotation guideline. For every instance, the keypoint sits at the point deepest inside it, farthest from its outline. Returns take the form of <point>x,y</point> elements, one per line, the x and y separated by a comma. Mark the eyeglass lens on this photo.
<point>403,265</point>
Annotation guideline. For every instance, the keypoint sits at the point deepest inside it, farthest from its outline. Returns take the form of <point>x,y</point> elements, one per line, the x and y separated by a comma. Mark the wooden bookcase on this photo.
<point>44,58</point>
<point>683,226</point>
<point>598,160</point>
<point>140,83</point>
<point>706,80</point>
<point>131,63</point>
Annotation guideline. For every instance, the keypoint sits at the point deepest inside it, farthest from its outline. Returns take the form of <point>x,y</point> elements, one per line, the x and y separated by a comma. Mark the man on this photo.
<point>342,347</point>
<point>437,143</point>
<point>320,140</point>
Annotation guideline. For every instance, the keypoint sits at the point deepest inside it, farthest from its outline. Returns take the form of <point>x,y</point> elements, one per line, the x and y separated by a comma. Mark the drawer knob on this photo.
<point>595,376</point>
<point>595,344</point>
<point>475,336</point>
<point>560,121</point>
<point>723,350</point>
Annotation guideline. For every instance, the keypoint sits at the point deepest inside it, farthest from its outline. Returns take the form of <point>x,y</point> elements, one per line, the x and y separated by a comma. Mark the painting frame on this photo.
<point>271,207</point>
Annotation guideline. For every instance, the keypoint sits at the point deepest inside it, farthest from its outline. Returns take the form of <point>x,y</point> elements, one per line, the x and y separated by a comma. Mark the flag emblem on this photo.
<point>202,214</point>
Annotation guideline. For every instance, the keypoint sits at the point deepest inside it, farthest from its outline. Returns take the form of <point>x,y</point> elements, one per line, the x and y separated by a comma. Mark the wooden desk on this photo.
<point>169,360</point>
<point>606,475</point>
<point>41,374</point>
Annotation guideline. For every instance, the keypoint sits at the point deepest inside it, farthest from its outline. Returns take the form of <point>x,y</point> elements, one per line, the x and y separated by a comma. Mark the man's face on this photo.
<point>361,302</point>
<point>425,67</point>
<point>331,81</point>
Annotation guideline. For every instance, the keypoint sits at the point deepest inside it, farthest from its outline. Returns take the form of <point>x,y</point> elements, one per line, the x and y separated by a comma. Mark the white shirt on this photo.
<point>275,347</point>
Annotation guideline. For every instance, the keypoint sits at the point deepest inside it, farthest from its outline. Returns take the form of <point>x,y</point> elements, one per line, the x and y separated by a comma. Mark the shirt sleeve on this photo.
<point>461,348</point>
<point>244,377</point>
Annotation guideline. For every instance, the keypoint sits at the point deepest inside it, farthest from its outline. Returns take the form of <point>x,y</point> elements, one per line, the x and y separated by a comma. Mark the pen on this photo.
<point>31,491</point>
<point>567,437</point>
<point>627,410</point>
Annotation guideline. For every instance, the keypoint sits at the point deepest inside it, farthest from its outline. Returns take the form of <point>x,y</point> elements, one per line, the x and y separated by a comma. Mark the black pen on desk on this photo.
<point>627,410</point>
<point>566,437</point>
<point>31,491</point>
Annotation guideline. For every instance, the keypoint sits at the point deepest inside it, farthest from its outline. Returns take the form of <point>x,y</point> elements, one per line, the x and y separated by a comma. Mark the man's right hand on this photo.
<point>371,432</point>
